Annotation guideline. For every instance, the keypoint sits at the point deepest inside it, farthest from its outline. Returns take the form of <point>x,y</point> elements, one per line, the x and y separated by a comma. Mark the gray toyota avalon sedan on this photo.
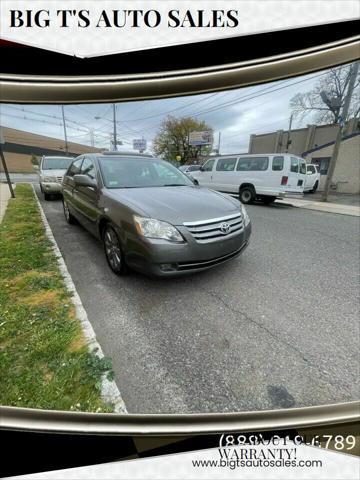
<point>150,216</point>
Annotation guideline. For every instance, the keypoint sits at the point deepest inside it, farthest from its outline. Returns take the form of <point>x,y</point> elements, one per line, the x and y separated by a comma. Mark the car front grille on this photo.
<point>182,266</point>
<point>215,229</point>
<point>59,179</point>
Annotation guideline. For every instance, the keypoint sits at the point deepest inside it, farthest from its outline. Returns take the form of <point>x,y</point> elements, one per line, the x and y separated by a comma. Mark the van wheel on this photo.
<point>113,252</point>
<point>247,195</point>
<point>315,187</point>
<point>268,200</point>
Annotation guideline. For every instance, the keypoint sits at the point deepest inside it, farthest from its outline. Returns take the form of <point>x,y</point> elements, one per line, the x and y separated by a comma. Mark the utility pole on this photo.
<point>2,141</point>
<point>288,141</point>
<point>114,120</point>
<point>65,134</point>
<point>343,118</point>
<point>219,143</point>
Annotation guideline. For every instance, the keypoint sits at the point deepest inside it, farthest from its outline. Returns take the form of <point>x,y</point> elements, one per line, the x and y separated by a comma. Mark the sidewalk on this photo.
<point>4,198</point>
<point>343,204</point>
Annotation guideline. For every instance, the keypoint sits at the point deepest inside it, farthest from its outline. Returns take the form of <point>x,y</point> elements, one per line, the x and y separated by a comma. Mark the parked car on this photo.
<point>312,178</point>
<point>188,169</point>
<point>51,171</point>
<point>264,177</point>
<point>152,217</point>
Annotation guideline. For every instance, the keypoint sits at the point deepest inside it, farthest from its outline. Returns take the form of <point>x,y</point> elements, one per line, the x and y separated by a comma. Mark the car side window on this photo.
<point>294,165</point>
<point>88,168</point>
<point>226,164</point>
<point>278,164</point>
<point>208,166</point>
<point>311,169</point>
<point>75,167</point>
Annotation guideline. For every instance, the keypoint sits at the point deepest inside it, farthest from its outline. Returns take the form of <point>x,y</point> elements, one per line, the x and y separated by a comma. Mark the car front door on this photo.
<point>86,199</point>
<point>204,175</point>
<point>69,184</point>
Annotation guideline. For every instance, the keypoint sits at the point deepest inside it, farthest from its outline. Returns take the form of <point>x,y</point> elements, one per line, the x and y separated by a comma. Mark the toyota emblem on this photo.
<point>225,228</point>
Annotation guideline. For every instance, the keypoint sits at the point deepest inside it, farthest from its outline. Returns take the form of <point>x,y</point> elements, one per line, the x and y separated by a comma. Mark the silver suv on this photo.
<point>51,172</point>
<point>152,217</point>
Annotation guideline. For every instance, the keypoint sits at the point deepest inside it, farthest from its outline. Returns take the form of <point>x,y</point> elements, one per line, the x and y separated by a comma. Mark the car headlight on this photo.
<point>49,179</point>
<point>152,228</point>
<point>244,214</point>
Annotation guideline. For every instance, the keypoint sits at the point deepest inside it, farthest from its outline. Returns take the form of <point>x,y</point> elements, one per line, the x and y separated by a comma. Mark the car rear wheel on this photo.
<point>247,195</point>
<point>113,252</point>
<point>68,217</point>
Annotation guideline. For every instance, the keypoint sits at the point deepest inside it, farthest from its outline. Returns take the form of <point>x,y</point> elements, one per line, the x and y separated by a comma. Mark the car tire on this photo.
<point>315,187</point>
<point>268,200</point>
<point>113,251</point>
<point>47,196</point>
<point>247,195</point>
<point>68,216</point>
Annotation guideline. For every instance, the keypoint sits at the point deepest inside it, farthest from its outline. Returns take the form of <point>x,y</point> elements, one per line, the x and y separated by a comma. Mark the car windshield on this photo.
<point>139,173</point>
<point>56,163</point>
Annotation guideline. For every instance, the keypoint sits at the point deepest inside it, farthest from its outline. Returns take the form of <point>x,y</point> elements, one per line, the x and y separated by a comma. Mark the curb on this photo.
<point>109,390</point>
<point>336,209</point>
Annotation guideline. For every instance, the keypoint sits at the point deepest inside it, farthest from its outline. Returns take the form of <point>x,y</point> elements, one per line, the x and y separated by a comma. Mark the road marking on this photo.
<point>109,390</point>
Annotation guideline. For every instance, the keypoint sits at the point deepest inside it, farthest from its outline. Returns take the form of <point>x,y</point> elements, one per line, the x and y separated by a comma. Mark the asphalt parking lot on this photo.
<point>277,327</point>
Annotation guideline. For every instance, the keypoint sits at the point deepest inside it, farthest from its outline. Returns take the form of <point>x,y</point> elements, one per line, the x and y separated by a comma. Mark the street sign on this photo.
<point>201,138</point>
<point>139,144</point>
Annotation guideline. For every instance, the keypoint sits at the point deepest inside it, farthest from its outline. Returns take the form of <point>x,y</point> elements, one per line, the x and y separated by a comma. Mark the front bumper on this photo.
<point>51,187</point>
<point>165,259</point>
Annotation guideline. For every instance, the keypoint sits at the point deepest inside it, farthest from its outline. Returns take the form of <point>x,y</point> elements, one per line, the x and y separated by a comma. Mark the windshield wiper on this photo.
<point>175,185</point>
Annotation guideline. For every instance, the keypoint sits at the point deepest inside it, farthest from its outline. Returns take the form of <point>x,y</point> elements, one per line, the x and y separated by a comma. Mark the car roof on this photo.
<point>119,154</point>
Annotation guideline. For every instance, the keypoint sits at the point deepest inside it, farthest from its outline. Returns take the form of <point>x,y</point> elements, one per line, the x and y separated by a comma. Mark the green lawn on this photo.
<point>44,361</point>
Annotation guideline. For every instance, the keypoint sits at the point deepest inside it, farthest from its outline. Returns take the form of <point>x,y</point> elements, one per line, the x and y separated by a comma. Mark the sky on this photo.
<point>235,113</point>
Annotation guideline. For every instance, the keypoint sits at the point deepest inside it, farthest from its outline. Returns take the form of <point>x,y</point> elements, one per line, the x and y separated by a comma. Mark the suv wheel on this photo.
<point>113,252</point>
<point>247,195</point>
<point>68,217</point>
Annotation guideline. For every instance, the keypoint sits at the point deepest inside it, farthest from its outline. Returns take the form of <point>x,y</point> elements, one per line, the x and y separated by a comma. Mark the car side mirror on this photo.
<point>84,181</point>
<point>201,169</point>
<point>195,181</point>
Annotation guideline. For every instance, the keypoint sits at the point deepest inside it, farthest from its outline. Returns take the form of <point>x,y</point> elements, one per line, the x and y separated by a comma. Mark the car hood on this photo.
<point>177,204</point>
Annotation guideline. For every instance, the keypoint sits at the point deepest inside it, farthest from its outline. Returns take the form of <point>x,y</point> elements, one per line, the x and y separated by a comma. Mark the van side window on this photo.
<point>74,168</point>
<point>254,164</point>
<point>208,166</point>
<point>278,164</point>
<point>294,165</point>
<point>303,167</point>
<point>226,164</point>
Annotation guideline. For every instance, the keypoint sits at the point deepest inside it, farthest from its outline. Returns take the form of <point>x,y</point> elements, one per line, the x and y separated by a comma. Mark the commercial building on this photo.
<point>21,146</point>
<point>316,143</point>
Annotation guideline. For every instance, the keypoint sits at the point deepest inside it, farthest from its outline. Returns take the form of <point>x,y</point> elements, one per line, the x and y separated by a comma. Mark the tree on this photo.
<point>326,100</point>
<point>34,159</point>
<point>172,138</point>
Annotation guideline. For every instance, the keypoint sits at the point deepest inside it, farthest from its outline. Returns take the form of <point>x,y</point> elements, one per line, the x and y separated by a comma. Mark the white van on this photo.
<point>254,177</point>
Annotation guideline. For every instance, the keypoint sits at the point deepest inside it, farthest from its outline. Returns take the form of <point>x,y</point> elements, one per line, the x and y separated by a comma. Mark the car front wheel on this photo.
<point>113,252</point>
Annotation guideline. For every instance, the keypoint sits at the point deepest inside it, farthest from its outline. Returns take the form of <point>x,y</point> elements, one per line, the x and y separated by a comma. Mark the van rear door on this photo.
<point>296,175</point>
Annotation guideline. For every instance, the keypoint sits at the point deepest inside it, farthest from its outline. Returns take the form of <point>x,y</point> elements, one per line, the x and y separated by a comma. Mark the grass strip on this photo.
<point>44,360</point>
